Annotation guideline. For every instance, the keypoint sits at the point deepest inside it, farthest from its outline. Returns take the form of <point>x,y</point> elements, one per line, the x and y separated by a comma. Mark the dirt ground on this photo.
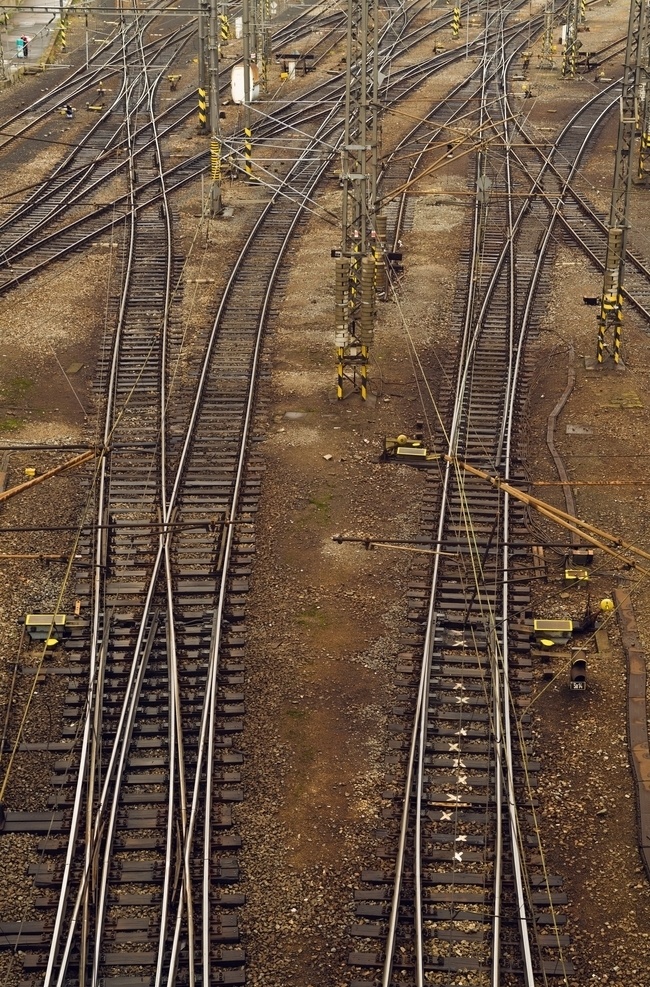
<point>324,618</point>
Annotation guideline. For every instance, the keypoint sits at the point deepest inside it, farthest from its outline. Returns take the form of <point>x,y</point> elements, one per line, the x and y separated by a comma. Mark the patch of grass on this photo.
<point>312,617</point>
<point>16,389</point>
<point>321,503</point>
<point>10,423</point>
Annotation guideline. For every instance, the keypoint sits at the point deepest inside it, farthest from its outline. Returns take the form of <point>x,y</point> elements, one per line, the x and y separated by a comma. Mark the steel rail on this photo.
<point>137,673</point>
<point>73,178</point>
<point>502,712</point>
<point>62,92</point>
<point>124,719</point>
<point>503,692</point>
<point>95,698</point>
<point>416,750</point>
<point>90,737</point>
<point>525,323</point>
<point>569,190</point>
<point>28,248</point>
<point>64,167</point>
<point>149,88</point>
<point>175,732</point>
<point>94,763</point>
<point>411,72</point>
<point>497,701</point>
<point>206,737</point>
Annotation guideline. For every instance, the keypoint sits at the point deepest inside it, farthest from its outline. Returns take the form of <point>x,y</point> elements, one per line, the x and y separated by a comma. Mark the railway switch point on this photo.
<point>408,450</point>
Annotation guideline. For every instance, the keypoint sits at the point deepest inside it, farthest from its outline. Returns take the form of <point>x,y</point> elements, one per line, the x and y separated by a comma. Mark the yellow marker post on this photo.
<point>339,374</point>
<point>215,159</point>
<point>203,109</point>
<point>363,370</point>
<point>248,152</point>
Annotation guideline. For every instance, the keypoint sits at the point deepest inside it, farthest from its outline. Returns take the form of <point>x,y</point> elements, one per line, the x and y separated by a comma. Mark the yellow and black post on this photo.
<point>455,23</point>
<point>618,325</point>
<point>379,253</point>
<point>215,159</point>
<point>203,108</point>
<point>341,317</point>
<point>215,131</point>
<point>365,320</point>
<point>248,153</point>
<point>62,33</point>
<point>202,80</point>
<point>611,302</point>
<point>224,29</point>
<point>215,176</point>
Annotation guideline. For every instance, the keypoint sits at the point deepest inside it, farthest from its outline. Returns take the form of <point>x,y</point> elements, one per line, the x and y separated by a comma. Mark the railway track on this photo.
<point>30,243</point>
<point>166,586</point>
<point>462,887</point>
<point>151,896</point>
<point>143,891</point>
<point>577,217</point>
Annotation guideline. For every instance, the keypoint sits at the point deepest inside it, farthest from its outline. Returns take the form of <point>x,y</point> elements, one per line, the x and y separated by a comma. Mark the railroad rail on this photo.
<point>469,892</point>
<point>36,244</point>
<point>166,580</point>
<point>144,791</point>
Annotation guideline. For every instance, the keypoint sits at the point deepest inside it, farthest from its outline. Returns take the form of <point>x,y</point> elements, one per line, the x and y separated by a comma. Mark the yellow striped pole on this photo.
<point>339,373</point>
<point>215,159</point>
<point>203,109</point>
<point>248,152</point>
<point>643,154</point>
<point>62,31</point>
<point>341,318</point>
<point>618,325</point>
<point>363,370</point>
<point>224,28</point>
<point>455,24</point>
<point>354,274</point>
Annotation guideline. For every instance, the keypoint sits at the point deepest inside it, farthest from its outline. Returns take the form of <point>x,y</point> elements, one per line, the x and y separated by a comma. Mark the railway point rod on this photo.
<point>152,526</point>
<point>68,465</point>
